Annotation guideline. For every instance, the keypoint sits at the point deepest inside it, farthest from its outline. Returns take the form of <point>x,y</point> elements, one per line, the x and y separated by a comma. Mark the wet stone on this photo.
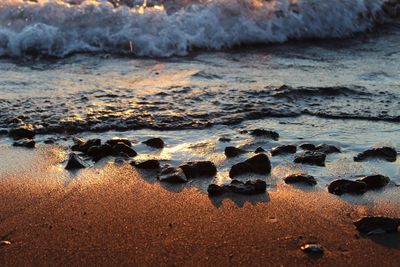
<point>75,162</point>
<point>385,153</point>
<point>286,149</point>
<point>258,164</point>
<point>377,224</point>
<point>327,149</point>
<point>265,133</point>
<point>312,248</point>
<point>121,147</point>
<point>25,142</point>
<point>84,146</point>
<point>344,186</point>
<point>199,169</point>
<point>99,152</point>
<point>22,131</point>
<point>155,143</point>
<point>231,151</point>
<point>375,181</point>
<point>259,150</point>
<point>224,139</point>
<point>150,164</point>
<point>250,187</point>
<point>311,158</point>
<point>112,142</point>
<point>172,174</point>
<point>308,147</point>
<point>300,178</point>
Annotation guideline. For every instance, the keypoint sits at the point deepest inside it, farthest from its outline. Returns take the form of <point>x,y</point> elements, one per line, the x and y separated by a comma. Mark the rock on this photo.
<point>198,169</point>
<point>259,150</point>
<point>4,243</point>
<point>300,178</point>
<point>308,147</point>
<point>172,174</point>
<point>343,186</point>
<point>112,142</point>
<point>75,162</point>
<point>121,147</point>
<point>244,188</point>
<point>224,139</point>
<point>287,149</point>
<point>258,164</point>
<point>312,248</point>
<point>22,131</point>
<point>50,141</point>
<point>84,146</point>
<point>327,149</point>
<point>265,133</point>
<point>99,152</point>
<point>386,153</point>
<point>311,158</point>
<point>231,151</point>
<point>377,224</point>
<point>150,164</point>
<point>155,142</point>
<point>25,142</point>
<point>375,181</point>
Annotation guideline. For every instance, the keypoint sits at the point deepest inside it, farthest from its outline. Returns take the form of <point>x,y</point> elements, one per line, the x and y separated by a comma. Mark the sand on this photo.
<point>111,215</point>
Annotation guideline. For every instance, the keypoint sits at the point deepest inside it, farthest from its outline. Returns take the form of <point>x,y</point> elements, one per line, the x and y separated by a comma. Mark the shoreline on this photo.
<point>113,215</point>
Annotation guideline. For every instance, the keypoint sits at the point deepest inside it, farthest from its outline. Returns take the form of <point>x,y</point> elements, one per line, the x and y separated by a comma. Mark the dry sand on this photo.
<point>113,216</point>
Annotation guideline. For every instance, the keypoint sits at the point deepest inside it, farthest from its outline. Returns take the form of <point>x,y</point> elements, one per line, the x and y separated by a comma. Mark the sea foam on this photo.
<point>60,28</point>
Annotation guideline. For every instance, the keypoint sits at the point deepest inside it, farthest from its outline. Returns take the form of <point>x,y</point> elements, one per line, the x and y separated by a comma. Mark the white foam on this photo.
<point>56,28</point>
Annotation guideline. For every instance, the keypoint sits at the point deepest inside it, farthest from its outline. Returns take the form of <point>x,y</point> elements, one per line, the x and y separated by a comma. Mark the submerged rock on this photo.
<point>259,164</point>
<point>198,169</point>
<point>386,153</point>
<point>344,186</point>
<point>112,142</point>
<point>22,131</point>
<point>312,248</point>
<point>300,178</point>
<point>172,174</point>
<point>244,188</point>
<point>375,181</point>
<point>25,142</point>
<point>75,162</point>
<point>265,133</point>
<point>311,158</point>
<point>224,139</point>
<point>121,147</point>
<point>286,149</point>
<point>231,151</point>
<point>150,164</point>
<point>154,142</point>
<point>327,149</point>
<point>259,150</point>
<point>84,146</point>
<point>377,224</point>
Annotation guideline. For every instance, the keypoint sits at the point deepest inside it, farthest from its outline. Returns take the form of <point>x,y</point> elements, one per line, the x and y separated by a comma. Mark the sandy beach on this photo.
<point>112,215</point>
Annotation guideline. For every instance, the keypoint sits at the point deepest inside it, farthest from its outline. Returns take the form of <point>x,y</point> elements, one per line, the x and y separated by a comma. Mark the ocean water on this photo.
<point>193,71</point>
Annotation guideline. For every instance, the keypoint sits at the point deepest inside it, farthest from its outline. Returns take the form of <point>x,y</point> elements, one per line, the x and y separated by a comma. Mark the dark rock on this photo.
<point>224,139</point>
<point>172,174</point>
<point>265,133</point>
<point>22,131</point>
<point>198,169</point>
<point>287,149</point>
<point>3,132</point>
<point>258,164</point>
<point>375,181</point>
<point>231,151</point>
<point>308,147</point>
<point>259,150</point>
<point>311,158</point>
<point>124,148</point>
<point>312,248</point>
<point>343,186</point>
<point>386,153</point>
<point>25,142</point>
<point>327,149</point>
<point>155,142</point>
<point>99,152</point>
<point>300,178</point>
<point>377,224</point>
<point>50,141</point>
<point>112,142</point>
<point>244,188</point>
<point>84,146</point>
<point>75,162</point>
<point>150,164</point>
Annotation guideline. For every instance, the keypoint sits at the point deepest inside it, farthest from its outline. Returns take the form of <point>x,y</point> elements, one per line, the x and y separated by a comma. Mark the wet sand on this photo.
<point>113,215</point>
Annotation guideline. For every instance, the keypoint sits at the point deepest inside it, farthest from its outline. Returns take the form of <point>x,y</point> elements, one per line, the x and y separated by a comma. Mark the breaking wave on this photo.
<point>58,28</point>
